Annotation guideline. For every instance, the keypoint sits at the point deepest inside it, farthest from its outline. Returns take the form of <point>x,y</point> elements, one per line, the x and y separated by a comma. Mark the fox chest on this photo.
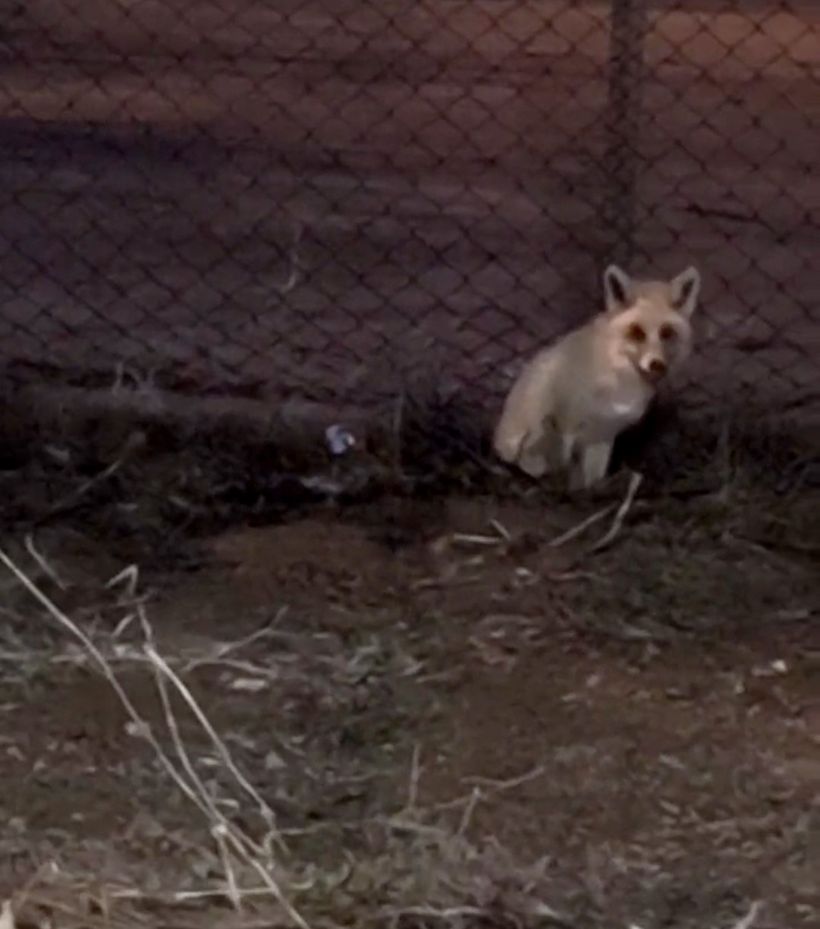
<point>611,408</point>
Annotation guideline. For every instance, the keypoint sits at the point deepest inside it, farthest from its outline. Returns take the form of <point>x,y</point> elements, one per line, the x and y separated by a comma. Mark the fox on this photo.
<point>575,396</point>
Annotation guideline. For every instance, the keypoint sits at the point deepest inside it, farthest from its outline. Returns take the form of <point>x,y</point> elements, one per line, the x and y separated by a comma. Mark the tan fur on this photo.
<point>575,396</point>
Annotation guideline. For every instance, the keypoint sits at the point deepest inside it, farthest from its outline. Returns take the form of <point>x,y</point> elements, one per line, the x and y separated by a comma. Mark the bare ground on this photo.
<point>449,719</point>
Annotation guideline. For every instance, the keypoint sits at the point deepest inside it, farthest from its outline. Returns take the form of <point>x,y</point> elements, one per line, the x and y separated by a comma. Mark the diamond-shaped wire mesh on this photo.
<point>322,195</point>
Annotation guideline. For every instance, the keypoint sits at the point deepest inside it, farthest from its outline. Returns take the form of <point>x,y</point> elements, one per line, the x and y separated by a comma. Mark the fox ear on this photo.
<point>685,289</point>
<point>617,289</point>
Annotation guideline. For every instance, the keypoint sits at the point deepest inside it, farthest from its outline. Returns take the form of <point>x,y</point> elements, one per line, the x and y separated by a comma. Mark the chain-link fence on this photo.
<point>331,197</point>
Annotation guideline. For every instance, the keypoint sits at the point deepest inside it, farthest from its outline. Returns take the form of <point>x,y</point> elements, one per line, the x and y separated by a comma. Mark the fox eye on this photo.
<point>667,333</point>
<point>636,333</point>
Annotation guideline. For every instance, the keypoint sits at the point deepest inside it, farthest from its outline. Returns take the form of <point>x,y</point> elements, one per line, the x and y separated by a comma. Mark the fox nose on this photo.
<point>657,367</point>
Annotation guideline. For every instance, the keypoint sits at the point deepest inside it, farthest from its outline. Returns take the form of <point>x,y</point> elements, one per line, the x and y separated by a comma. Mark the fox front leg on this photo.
<point>593,465</point>
<point>535,455</point>
<point>533,462</point>
<point>541,451</point>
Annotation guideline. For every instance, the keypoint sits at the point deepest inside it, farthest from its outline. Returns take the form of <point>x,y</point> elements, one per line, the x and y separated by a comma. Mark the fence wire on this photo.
<point>338,197</point>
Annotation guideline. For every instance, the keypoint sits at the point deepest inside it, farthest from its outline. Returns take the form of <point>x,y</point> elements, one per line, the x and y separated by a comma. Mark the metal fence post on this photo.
<point>628,30</point>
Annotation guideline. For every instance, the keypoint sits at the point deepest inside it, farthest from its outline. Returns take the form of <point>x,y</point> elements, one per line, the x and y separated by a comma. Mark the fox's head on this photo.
<point>648,320</point>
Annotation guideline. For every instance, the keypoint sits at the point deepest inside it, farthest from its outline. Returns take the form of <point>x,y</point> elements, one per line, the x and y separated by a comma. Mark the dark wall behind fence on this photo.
<point>331,196</point>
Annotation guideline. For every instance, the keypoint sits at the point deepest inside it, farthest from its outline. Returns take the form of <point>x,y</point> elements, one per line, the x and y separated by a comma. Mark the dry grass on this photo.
<point>409,863</point>
<point>238,851</point>
<point>418,866</point>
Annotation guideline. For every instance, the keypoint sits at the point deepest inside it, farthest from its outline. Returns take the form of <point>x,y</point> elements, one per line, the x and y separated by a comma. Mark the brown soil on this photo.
<point>643,724</point>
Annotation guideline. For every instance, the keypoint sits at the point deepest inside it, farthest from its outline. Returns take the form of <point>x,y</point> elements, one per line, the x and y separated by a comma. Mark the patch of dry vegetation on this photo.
<point>236,860</point>
<point>279,777</point>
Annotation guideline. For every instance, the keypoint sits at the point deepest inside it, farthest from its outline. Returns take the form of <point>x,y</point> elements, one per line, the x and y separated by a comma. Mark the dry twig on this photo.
<point>635,482</point>
<point>227,834</point>
<point>581,528</point>
<point>747,921</point>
